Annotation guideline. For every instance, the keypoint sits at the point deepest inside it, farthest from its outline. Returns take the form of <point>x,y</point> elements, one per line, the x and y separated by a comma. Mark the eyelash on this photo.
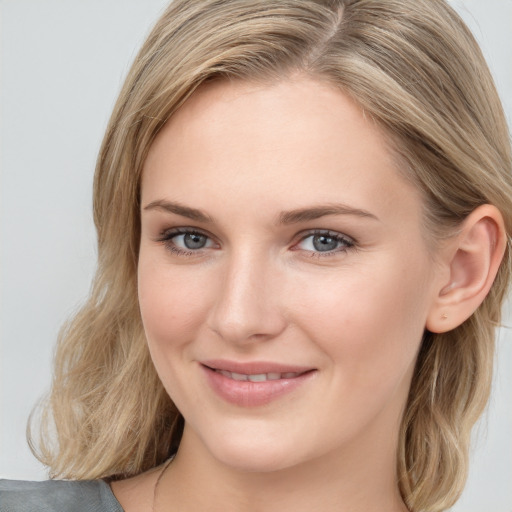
<point>167,237</point>
<point>348,243</point>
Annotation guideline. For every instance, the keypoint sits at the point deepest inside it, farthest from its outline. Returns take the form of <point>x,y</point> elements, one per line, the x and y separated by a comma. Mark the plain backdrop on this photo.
<point>62,65</point>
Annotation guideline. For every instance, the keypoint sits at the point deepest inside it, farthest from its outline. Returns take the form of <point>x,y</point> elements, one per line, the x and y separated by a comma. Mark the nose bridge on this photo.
<point>246,307</point>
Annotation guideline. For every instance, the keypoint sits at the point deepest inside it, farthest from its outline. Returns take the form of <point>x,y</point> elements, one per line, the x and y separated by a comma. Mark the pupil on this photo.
<point>194,241</point>
<point>324,243</point>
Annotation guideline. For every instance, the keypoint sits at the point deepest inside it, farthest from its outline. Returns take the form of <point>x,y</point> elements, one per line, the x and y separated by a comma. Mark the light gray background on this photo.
<point>62,65</point>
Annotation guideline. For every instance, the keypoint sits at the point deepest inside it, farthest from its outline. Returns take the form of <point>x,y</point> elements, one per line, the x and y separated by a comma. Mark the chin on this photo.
<point>253,451</point>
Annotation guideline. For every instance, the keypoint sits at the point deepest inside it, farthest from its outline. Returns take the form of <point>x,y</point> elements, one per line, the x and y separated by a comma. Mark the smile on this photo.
<point>259,377</point>
<point>254,384</point>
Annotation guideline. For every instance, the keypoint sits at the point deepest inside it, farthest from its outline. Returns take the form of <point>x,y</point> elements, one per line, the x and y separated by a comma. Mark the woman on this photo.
<point>303,216</point>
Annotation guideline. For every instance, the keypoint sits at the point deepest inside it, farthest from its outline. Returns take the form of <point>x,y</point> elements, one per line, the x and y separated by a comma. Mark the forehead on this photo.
<point>293,142</point>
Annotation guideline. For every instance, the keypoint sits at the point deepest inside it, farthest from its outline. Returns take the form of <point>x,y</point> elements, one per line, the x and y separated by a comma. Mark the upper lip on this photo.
<point>254,367</point>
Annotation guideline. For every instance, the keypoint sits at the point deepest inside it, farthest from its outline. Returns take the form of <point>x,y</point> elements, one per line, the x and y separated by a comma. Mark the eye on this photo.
<point>190,241</point>
<point>325,242</point>
<point>185,241</point>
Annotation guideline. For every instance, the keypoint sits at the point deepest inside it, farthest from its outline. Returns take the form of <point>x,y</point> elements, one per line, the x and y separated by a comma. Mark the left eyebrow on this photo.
<point>315,212</point>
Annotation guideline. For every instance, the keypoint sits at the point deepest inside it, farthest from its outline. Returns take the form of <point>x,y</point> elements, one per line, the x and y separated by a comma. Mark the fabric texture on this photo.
<point>57,496</point>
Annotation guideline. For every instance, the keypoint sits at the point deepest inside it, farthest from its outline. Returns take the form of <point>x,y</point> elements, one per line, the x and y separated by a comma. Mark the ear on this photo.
<point>472,258</point>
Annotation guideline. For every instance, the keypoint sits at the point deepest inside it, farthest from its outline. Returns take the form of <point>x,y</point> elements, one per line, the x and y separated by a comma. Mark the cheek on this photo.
<point>172,310</point>
<point>368,323</point>
<point>172,303</point>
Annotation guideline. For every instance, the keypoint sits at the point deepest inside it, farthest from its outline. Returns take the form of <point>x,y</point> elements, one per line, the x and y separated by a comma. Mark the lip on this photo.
<point>245,393</point>
<point>254,367</point>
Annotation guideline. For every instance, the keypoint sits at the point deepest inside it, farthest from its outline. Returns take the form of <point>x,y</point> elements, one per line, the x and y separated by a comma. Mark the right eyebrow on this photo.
<point>179,209</point>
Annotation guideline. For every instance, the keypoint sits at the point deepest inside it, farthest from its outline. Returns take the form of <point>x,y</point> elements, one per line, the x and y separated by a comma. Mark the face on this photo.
<point>284,278</point>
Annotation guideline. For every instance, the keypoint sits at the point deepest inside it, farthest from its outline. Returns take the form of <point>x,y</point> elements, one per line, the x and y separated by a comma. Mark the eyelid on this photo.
<point>182,230</point>
<point>166,237</point>
<point>350,243</point>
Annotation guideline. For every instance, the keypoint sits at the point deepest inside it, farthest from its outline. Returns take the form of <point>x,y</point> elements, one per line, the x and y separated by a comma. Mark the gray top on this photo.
<point>57,496</point>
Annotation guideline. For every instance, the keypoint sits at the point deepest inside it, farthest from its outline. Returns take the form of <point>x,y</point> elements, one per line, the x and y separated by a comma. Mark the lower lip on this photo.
<point>252,394</point>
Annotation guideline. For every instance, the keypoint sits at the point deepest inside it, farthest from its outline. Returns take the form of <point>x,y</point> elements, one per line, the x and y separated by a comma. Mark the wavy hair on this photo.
<point>416,70</point>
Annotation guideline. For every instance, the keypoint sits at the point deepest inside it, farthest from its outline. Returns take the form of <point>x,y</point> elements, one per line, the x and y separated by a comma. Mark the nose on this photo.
<point>247,305</point>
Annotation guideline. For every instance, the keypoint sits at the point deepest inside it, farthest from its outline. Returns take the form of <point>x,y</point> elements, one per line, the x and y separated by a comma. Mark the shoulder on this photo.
<point>57,496</point>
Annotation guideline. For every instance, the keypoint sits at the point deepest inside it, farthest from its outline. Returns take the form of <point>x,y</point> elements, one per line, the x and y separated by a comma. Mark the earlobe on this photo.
<point>474,259</point>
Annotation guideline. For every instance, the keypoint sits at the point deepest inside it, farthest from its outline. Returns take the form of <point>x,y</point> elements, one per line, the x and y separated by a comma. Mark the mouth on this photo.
<point>258,377</point>
<point>254,384</point>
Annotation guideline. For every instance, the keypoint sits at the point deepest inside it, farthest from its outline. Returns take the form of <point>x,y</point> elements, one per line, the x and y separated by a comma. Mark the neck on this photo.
<point>359,479</point>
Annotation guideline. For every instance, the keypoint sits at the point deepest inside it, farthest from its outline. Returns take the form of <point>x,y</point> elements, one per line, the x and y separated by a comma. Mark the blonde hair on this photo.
<point>414,68</point>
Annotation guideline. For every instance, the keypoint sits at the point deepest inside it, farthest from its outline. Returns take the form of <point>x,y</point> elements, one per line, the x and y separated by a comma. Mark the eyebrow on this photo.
<point>315,212</point>
<point>284,218</point>
<point>179,209</point>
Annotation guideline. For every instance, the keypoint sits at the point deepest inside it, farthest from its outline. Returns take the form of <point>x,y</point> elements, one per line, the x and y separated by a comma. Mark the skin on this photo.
<point>259,290</point>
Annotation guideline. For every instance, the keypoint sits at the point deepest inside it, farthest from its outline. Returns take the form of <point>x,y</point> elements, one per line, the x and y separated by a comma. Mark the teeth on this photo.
<point>239,376</point>
<point>258,377</point>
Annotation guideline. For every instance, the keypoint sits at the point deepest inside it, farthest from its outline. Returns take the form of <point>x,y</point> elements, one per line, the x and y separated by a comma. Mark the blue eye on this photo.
<point>185,241</point>
<point>325,242</point>
<point>190,240</point>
